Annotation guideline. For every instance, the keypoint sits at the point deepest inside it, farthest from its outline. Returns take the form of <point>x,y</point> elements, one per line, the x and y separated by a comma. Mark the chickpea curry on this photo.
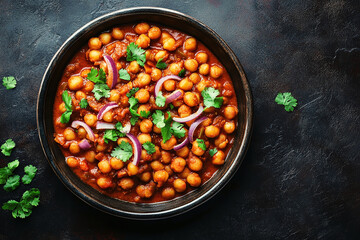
<point>145,113</point>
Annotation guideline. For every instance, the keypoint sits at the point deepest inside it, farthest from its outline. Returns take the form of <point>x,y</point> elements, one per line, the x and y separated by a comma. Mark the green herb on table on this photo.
<point>22,209</point>
<point>160,64</point>
<point>135,53</point>
<point>9,82</point>
<point>149,147</point>
<point>123,74</point>
<point>12,183</point>
<point>30,172</point>
<point>7,147</point>
<point>211,99</point>
<point>7,171</point>
<point>287,100</point>
<point>84,103</point>
<point>123,152</point>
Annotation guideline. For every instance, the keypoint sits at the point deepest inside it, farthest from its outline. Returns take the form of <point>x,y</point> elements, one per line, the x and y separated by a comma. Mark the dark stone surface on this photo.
<point>300,178</point>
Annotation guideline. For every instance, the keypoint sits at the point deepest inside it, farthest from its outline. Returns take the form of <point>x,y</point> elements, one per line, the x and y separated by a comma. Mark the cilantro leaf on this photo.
<point>30,171</point>
<point>166,131</point>
<point>7,171</point>
<point>7,147</point>
<point>210,97</point>
<point>178,130</point>
<point>65,117</point>
<point>160,100</point>
<point>133,110</point>
<point>121,129</point>
<point>135,53</point>
<point>84,103</point>
<point>201,144</point>
<point>287,100</point>
<point>158,119</point>
<point>123,152</point>
<point>9,82</point>
<point>133,120</point>
<point>101,90</point>
<point>144,114</point>
<point>160,64</point>
<point>182,73</point>
<point>97,76</point>
<point>110,134</point>
<point>22,209</point>
<point>132,92</point>
<point>149,147</point>
<point>124,74</point>
<point>12,183</point>
<point>171,106</point>
<point>213,151</point>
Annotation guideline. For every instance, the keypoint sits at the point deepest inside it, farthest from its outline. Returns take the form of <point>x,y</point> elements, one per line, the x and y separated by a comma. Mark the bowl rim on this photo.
<point>179,209</point>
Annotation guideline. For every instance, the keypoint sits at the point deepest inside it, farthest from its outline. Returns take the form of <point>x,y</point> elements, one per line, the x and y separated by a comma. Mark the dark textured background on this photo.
<point>300,178</point>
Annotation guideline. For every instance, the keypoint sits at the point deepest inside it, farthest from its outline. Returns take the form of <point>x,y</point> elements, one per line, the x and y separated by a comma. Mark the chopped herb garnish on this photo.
<point>84,103</point>
<point>166,130</point>
<point>213,151</point>
<point>201,144</point>
<point>65,117</point>
<point>97,76</point>
<point>12,183</point>
<point>132,92</point>
<point>158,119</point>
<point>171,106</point>
<point>144,114</point>
<point>9,82</point>
<point>133,120</point>
<point>124,74</point>
<point>160,100</point>
<point>149,147</point>
<point>160,64</point>
<point>101,90</point>
<point>30,171</point>
<point>7,171</point>
<point>178,130</point>
<point>110,134</point>
<point>7,147</point>
<point>210,97</point>
<point>182,73</point>
<point>120,128</point>
<point>22,209</point>
<point>123,152</point>
<point>135,53</point>
<point>287,100</point>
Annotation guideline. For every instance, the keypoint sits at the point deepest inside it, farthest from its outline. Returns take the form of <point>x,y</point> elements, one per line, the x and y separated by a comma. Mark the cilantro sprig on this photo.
<point>135,53</point>
<point>211,99</point>
<point>160,64</point>
<point>30,172</point>
<point>132,92</point>
<point>101,89</point>
<point>213,151</point>
<point>12,183</point>
<point>287,100</point>
<point>164,124</point>
<point>7,147</point>
<point>114,134</point>
<point>7,171</point>
<point>83,103</point>
<point>9,82</point>
<point>160,100</point>
<point>123,74</point>
<point>65,117</point>
<point>149,147</point>
<point>123,152</point>
<point>201,144</point>
<point>178,129</point>
<point>22,209</point>
<point>97,76</point>
<point>182,73</point>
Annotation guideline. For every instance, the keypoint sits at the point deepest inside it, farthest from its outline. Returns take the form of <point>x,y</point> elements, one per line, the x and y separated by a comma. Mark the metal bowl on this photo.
<point>175,20</point>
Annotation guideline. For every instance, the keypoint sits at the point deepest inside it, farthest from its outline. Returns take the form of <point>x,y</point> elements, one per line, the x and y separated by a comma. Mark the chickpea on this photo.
<point>195,164</point>
<point>89,86</point>
<point>184,111</point>
<point>142,95</point>
<point>162,54</point>
<point>80,95</point>
<point>94,43</point>
<point>156,165</point>
<point>133,67</point>
<point>122,139</point>
<point>175,68</point>
<point>165,157</point>
<point>126,183</point>
<point>193,179</point>
<point>108,116</point>
<point>212,131</point>
<point>221,141</point>
<point>185,173</point>
<point>185,84</point>
<point>132,169</point>
<point>216,71</point>
<point>168,193</point>
<point>218,158</point>
<point>154,33</point>
<point>62,107</point>
<point>183,152</point>
<point>169,44</point>
<point>90,156</point>
<point>72,162</point>
<point>145,191</point>
<point>169,144</point>
<point>161,176</point>
<point>144,155</point>
<point>74,148</point>
<point>230,112</point>
<point>190,44</point>
<point>194,78</point>
<point>191,99</point>
<point>164,35</point>
<point>179,185</point>
<point>191,65</point>
<point>145,177</point>
<point>204,69</point>
<point>143,41</point>
<point>75,83</point>
<point>90,119</point>
<point>142,28</point>
<point>201,85</point>
<point>101,147</point>
<point>105,38</point>
<point>196,149</point>
<point>104,166</point>
<point>144,137</point>
<point>116,163</point>
<point>157,153</point>
<point>156,129</point>
<point>229,127</point>
<point>144,79</point>
<point>178,164</point>
<point>95,55</point>
<point>69,134</point>
<point>156,74</point>
<point>169,85</point>
<point>104,182</point>
<point>201,57</point>
<point>114,95</point>
<point>146,126</point>
<point>84,72</point>
<point>117,33</point>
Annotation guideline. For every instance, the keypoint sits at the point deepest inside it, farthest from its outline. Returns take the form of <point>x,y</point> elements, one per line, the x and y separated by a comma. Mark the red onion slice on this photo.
<point>162,80</point>
<point>191,117</point>
<point>105,109</point>
<point>173,96</point>
<point>181,145</point>
<point>104,125</point>
<point>112,72</point>
<point>76,124</point>
<point>126,128</point>
<point>84,144</point>
<point>194,126</point>
<point>137,150</point>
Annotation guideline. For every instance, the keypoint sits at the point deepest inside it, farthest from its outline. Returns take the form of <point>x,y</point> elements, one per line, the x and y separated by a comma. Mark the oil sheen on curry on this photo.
<point>145,113</point>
